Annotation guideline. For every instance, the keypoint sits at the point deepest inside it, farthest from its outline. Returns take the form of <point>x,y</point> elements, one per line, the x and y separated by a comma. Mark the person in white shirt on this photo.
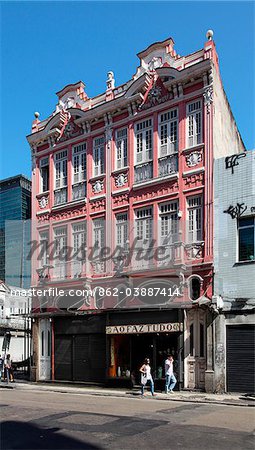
<point>169,373</point>
<point>146,376</point>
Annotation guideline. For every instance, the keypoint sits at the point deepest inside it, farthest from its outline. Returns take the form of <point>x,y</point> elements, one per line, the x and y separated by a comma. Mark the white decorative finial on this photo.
<point>110,82</point>
<point>37,115</point>
<point>209,35</point>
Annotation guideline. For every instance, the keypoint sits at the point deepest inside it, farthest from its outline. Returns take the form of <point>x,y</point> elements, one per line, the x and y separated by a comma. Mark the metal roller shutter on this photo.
<point>81,362</point>
<point>240,358</point>
<point>98,357</point>
<point>63,358</point>
<point>80,357</point>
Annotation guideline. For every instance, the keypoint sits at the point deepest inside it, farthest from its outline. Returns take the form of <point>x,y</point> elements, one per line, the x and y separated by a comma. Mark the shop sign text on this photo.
<point>145,328</point>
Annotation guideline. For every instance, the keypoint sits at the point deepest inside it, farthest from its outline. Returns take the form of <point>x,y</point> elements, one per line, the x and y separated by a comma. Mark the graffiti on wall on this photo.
<point>236,211</point>
<point>232,161</point>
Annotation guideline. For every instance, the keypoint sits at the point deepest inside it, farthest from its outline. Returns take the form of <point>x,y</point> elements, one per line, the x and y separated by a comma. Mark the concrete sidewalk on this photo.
<point>180,396</point>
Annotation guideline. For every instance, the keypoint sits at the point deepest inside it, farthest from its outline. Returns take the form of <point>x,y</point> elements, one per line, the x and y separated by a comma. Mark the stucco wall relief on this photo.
<point>120,179</point>
<point>194,158</point>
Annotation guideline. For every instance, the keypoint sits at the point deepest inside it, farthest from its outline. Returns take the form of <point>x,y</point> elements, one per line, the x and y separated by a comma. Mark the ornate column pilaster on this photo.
<point>208,98</point>
<point>208,139</point>
<point>108,170</point>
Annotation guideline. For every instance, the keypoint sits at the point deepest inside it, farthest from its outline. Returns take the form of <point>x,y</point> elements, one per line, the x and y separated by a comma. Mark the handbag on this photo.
<point>144,379</point>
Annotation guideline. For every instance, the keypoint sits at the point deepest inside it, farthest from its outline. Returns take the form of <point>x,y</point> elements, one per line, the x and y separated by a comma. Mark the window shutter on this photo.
<point>148,145</point>
<point>163,139</point>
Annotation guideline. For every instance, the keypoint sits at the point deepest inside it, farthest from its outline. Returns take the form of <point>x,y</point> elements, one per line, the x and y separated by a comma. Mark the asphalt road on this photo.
<point>49,420</point>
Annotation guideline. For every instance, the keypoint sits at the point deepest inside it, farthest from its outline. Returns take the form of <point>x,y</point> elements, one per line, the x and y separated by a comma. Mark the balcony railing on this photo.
<point>174,254</point>
<point>168,165</point>
<point>143,172</point>
<point>79,191</point>
<point>13,323</point>
<point>60,270</point>
<point>60,196</point>
<point>76,269</point>
<point>98,267</point>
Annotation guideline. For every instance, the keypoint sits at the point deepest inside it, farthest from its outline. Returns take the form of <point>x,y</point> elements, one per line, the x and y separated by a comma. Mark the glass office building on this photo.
<point>15,215</point>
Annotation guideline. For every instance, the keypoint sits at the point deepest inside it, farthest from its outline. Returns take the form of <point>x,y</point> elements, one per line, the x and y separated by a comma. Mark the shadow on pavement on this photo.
<point>26,436</point>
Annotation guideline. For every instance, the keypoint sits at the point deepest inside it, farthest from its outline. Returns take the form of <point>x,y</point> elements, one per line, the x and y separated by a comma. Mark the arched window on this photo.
<point>194,288</point>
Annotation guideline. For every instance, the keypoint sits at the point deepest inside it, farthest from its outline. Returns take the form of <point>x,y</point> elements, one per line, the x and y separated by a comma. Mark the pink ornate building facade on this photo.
<point>135,162</point>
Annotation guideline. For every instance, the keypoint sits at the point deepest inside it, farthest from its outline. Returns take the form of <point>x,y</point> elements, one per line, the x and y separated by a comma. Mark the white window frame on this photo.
<point>144,224</point>
<point>168,132</point>
<point>43,238</point>
<point>60,234</point>
<point>168,215</point>
<point>99,232</point>
<point>78,241</point>
<point>122,230</point>
<point>194,123</point>
<point>99,156</point>
<point>195,218</point>
<point>79,156</point>
<point>121,148</point>
<point>44,162</point>
<point>144,141</point>
<point>60,160</point>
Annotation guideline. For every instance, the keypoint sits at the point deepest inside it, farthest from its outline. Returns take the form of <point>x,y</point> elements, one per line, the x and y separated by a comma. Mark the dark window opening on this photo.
<point>45,178</point>
<point>246,235</point>
<point>194,288</point>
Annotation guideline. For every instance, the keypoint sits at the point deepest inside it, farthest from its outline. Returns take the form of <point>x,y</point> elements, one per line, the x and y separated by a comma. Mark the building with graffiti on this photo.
<point>234,281</point>
<point>132,169</point>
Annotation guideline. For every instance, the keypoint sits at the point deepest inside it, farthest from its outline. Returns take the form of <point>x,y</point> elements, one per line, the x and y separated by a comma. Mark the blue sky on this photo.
<point>47,45</point>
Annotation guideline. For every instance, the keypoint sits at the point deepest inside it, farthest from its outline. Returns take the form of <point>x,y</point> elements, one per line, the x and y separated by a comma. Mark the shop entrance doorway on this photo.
<point>142,347</point>
<point>156,347</point>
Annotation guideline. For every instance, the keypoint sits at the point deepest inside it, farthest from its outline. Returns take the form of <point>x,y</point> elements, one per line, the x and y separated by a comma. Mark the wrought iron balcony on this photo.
<point>194,250</point>
<point>60,270</point>
<point>143,172</point>
<point>76,269</point>
<point>98,267</point>
<point>168,165</point>
<point>79,191</point>
<point>60,196</point>
<point>13,323</point>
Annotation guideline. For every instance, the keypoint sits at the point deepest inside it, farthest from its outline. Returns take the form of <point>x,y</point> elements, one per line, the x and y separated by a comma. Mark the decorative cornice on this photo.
<point>193,172</point>
<point>158,180</point>
<point>195,147</point>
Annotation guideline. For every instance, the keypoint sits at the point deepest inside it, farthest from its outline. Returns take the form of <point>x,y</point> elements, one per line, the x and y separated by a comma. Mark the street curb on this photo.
<point>131,395</point>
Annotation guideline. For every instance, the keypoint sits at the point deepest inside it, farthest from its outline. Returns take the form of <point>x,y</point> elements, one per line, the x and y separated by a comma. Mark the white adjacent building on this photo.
<point>15,326</point>
<point>234,280</point>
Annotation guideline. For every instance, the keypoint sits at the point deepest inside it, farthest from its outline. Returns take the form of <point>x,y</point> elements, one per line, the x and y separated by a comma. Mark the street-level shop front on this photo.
<point>109,348</point>
<point>132,337</point>
<point>80,348</point>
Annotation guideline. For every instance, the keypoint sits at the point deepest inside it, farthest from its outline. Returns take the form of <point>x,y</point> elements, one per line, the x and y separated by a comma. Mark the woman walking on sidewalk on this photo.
<point>146,376</point>
<point>8,369</point>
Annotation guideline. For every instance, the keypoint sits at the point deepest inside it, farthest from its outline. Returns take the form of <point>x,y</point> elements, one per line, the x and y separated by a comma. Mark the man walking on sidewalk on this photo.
<point>169,374</point>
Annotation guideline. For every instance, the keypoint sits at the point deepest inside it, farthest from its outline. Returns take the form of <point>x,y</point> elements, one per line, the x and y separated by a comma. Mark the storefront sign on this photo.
<point>145,328</point>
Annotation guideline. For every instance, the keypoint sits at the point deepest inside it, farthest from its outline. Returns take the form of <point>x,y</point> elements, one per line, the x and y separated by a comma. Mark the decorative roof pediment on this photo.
<point>140,85</point>
<point>159,54</point>
<point>62,126</point>
<point>70,130</point>
<point>168,72</point>
<point>71,96</point>
<point>156,93</point>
